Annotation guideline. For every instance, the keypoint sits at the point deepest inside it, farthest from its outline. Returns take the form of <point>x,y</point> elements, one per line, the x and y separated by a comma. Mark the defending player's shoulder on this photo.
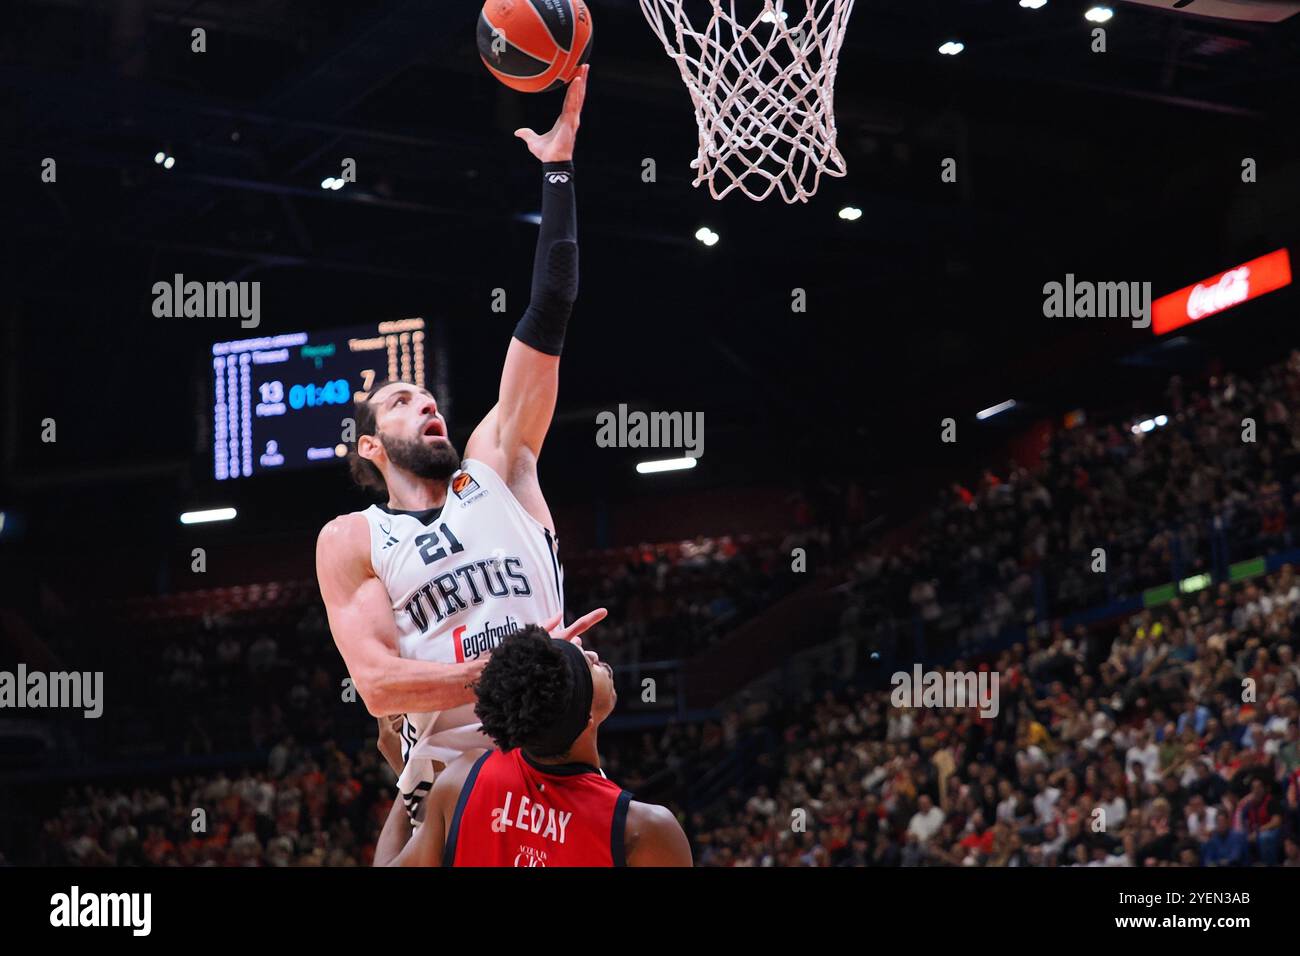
<point>450,782</point>
<point>654,837</point>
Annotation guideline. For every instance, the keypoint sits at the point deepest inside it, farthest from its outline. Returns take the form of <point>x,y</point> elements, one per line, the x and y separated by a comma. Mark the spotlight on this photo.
<point>327,183</point>
<point>707,236</point>
<point>670,464</point>
<point>997,409</point>
<point>1099,14</point>
<point>1033,4</point>
<point>159,156</point>
<point>952,48</point>
<point>169,162</point>
<point>851,213</point>
<point>202,517</point>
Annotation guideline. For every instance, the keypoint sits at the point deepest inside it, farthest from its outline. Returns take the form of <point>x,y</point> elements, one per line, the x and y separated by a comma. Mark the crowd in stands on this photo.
<point>1169,740</point>
<point>1126,744</point>
<point>220,683</point>
<point>664,607</point>
<point>316,807</point>
<point>1222,464</point>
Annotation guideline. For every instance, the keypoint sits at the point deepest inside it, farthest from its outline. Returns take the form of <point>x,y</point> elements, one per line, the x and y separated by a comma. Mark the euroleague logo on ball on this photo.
<point>464,484</point>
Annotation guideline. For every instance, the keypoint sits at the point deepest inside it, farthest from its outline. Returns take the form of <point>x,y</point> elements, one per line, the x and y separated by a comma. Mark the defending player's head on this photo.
<point>543,694</point>
<point>399,426</point>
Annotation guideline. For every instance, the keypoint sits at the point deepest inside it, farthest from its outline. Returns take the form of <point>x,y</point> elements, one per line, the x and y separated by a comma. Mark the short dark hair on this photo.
<point>524,690</point>
<point>366,473</point>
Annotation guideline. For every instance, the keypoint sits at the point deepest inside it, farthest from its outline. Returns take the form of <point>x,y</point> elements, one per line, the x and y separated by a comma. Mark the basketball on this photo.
<point>534,46</point>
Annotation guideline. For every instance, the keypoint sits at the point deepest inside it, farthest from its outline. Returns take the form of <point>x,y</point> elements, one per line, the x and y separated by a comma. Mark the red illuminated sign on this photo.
<point>1230,287</point>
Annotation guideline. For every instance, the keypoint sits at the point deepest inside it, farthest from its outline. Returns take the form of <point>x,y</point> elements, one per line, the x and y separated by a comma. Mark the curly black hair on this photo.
<point>523,690</point>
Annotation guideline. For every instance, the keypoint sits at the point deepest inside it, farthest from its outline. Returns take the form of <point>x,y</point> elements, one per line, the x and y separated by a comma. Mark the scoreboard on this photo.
<point>279,402</point>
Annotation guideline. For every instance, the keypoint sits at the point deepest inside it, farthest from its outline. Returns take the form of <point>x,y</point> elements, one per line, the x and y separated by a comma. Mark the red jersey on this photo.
<point>513,811</point>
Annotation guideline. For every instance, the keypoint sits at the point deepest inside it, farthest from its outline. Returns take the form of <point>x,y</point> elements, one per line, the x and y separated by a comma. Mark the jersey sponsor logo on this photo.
<point>466,586</point>
<point>464,485</point>
<point>470,646</point>
<point>529,856</point>
<point>532,816</point>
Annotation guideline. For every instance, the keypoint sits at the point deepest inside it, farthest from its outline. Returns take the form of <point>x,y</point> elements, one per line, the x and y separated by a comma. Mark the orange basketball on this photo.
<point>534,45</point>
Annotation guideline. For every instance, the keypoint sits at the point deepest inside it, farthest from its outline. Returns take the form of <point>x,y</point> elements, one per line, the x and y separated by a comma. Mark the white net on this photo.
<point>763,85</point>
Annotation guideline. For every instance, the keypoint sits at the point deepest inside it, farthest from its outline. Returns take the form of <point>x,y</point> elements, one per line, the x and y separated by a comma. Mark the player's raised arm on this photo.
<point>513,431</point>
<point>361,620</point>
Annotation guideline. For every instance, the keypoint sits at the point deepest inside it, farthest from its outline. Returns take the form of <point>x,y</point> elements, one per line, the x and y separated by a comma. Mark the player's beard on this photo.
<point>438,461</point>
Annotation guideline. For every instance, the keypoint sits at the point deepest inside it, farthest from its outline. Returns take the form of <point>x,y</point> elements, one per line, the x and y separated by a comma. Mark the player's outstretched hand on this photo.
<point>582,624</point>
<point>557,145</point>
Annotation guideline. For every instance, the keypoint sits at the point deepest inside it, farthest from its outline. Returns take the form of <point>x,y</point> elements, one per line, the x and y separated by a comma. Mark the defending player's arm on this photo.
<point>361,620</point>
<point>510,437</point>
<point>655,838</point>
<point>397,847</point>
<point>390,741</point>
<point>396,834</point>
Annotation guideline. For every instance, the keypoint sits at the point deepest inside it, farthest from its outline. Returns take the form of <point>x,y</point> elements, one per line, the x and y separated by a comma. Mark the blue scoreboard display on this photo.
<point>280,401</point>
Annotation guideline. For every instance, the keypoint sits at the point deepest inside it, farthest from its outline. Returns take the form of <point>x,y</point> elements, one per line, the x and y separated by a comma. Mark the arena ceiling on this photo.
<point>1122,165</point>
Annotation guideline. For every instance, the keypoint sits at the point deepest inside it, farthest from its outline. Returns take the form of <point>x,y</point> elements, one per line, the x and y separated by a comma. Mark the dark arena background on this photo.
<point>912,461</point>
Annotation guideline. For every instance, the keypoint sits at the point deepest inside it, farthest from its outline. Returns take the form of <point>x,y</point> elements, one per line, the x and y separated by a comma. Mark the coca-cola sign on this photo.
<point>1230,287</point>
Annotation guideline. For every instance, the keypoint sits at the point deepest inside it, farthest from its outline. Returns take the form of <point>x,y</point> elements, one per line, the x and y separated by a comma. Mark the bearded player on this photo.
<point>418,590</point>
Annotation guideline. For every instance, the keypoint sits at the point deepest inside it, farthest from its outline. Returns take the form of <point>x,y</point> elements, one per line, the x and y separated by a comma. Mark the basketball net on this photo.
<point>763,91</point>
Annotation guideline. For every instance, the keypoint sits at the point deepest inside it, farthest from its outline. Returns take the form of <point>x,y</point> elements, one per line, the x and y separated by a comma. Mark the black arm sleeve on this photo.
<point>555,265</point>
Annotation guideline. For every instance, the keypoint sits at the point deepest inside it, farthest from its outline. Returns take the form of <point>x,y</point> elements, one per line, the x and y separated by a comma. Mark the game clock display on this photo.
<point>280,401</point>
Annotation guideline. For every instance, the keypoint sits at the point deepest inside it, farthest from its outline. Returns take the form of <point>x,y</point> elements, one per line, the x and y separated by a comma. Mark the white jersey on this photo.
<point>460,578</point>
